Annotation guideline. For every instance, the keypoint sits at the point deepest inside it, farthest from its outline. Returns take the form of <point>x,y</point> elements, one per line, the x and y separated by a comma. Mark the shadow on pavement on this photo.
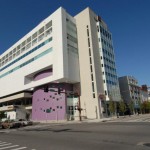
<point>55,130</point>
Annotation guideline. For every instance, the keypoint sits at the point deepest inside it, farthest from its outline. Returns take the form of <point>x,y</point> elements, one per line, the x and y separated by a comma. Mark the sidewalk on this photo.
<point>110,119</point>
<point>60,123</point>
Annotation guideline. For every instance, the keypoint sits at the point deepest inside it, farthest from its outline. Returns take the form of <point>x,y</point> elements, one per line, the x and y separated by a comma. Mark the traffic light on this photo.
<point>46,89</point>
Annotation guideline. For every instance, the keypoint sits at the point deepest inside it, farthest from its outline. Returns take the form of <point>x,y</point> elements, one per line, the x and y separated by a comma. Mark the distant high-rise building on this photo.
<point>130,90</point>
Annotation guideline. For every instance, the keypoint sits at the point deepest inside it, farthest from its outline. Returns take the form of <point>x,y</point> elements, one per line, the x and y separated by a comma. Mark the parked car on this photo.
<point>10,124</point>
<point>25,122</point>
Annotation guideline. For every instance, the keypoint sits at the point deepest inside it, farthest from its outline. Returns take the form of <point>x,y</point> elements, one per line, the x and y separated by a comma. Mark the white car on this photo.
<point>23,122</point>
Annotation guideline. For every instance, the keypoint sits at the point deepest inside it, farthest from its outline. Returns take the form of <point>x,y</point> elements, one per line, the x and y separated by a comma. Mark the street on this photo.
<point>79,136</point>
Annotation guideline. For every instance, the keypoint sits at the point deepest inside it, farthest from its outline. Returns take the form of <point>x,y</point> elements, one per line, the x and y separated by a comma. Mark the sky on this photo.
<point>128,21</point>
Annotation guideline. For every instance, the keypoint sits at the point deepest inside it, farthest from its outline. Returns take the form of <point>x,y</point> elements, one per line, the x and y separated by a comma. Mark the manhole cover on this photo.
<point>147,144</point>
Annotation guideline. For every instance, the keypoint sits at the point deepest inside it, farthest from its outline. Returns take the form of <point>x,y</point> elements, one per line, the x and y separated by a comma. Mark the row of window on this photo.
<point>106,43</point>
<point>17,102</point>
<point>71,27</point>
<point>109,67</point>
<point>71,38</point>
<point>30,41</point>
<point>105,33</point>
<point>110,75</point>
<point>27,62</point>
<point>110,82</point>
<point>16,53</point>
<point>28,53</point>
<point>108,53</point>
<point>72,49</point>
<point>137,92</point>
<point>108,60</point>
<point>70,22</point>
<point>133,97</point>
<point>132,81</point>
<point>132,87</point>
<point>91,68</point>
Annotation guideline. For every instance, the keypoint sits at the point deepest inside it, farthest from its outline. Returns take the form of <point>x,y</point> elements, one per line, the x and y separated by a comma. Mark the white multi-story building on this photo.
<point>129,88</point>
<point>41,70</point>
<point>47,54</point>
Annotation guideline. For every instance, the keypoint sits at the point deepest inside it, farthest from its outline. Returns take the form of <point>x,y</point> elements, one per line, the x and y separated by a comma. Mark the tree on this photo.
<point>148,107</point>
<point>131,106</point>
<point>144,106</point>
<point>2,115</point>
<point>122,107</point>
<point>140,105</point>
<point>112,107</point>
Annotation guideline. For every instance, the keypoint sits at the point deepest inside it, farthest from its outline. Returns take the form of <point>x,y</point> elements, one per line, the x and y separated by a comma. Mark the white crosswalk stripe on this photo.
<point>9,147</point>
<point>5,144</point>
<point>19,148</point>
<point>2,143</point>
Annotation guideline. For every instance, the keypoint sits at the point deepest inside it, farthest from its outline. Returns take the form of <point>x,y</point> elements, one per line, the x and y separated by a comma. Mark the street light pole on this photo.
<point>79,108</point>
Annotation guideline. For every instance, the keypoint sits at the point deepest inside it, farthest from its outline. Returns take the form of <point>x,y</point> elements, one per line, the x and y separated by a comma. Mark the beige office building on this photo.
<point>99,82</point>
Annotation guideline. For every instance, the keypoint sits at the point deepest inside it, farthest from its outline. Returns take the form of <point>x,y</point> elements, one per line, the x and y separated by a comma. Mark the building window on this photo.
<point>91,68</point>
<point>98,28</point>
<point>92,77</point>
<point>93,95</point>
<point>89,52</point>
<point>93,87</point>
<point>88,32</point>
<point>90,60</point>
<point>88,42</point>
<point>48,25</point>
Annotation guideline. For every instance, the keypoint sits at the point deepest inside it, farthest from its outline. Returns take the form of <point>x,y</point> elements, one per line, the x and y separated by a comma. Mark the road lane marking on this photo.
<point>5,144</point>
<point>19,148</point>
<point>2,142</point>
<point>9,147</point>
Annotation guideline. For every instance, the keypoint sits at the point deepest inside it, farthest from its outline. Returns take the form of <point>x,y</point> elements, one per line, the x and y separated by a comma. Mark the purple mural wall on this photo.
<point>50,105</point>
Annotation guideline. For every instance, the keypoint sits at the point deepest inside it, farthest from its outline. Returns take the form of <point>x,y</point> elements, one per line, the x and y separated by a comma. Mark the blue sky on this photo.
<point>128,20</point>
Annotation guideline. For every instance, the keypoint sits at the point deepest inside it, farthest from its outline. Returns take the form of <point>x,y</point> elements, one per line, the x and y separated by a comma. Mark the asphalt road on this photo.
<point>85,136</point>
